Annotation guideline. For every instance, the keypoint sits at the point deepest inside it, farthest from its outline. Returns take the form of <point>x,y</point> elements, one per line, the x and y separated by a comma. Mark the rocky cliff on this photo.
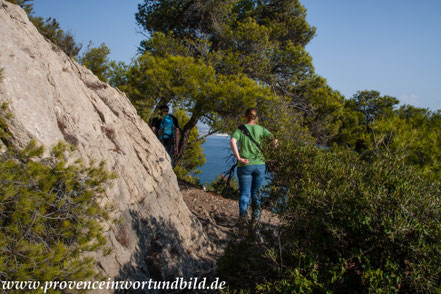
<point>53,99</point>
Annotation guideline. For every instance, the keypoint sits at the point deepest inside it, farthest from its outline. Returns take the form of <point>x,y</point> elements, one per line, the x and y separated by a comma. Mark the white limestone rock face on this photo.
<point>53,99</point>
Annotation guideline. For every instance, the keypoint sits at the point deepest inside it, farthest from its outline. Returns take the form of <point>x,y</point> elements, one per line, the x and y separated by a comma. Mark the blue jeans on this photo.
<point>250,179</point>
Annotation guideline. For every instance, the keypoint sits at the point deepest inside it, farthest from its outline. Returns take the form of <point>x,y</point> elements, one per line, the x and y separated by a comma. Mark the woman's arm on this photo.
<point>233,144</point>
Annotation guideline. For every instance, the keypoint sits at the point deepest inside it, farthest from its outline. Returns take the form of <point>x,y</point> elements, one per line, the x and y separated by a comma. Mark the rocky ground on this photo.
<point>219,216</point>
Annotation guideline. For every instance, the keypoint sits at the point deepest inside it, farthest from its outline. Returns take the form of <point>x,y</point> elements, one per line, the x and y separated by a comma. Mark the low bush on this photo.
<point>49,213</point>
<point>352,225</point>
<point>221,186</point>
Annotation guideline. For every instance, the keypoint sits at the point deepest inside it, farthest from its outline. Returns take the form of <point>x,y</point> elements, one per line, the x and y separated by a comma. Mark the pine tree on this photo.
<point>49,212</point>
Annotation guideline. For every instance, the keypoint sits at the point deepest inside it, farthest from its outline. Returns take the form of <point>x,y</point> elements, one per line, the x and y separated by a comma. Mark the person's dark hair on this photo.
<point>251,114</point>
<point>163,107</point>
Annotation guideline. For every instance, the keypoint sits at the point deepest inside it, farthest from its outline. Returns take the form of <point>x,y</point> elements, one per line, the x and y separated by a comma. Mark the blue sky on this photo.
<point>392,46</point>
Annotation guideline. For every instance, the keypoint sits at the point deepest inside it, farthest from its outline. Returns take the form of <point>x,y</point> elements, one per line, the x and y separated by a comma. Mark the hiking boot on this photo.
<point>254,226</point>
<point>243,226</point>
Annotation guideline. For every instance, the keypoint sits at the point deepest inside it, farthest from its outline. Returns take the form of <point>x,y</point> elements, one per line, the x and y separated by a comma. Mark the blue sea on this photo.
<point>216,150</point>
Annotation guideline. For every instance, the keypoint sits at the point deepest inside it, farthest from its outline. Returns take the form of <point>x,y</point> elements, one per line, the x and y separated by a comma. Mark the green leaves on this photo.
<point>193,157</point>
<point>348,224</point>
<point>48,214</point>
<point>371,124</point>
<point>376,218</point>
<point>260,40</point>
<point>50,28</point>
<point>96,59</point>
<point>190,84</point>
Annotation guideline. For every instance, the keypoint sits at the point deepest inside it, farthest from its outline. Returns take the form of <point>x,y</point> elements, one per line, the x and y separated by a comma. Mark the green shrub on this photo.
<point>352,225</point>
<point>184,175</point>
<point>50,28</point>
<point>221,187</point>
<point>363,226</point>
<point>49,213</point>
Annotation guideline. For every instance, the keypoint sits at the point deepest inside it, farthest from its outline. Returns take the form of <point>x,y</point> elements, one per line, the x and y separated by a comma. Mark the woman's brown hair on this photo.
<point>251,114</point>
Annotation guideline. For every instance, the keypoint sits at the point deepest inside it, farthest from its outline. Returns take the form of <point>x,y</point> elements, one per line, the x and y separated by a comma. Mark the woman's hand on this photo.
<point>233,144</point>
<point>243,160</point>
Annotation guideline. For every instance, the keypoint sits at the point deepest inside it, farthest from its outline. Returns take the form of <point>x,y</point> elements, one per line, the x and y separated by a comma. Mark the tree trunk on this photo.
<point>183,140</point>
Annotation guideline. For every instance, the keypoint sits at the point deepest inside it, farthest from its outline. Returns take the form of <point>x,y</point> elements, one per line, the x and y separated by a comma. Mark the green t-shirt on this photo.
<point>249,150</point>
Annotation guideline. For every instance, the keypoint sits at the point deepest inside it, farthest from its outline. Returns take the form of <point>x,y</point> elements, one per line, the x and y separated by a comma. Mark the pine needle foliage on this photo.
<point>96,59</point>
<point>51,29</point>
<point>262,40</point>
<point>193,157</point>
<point>49,213</point>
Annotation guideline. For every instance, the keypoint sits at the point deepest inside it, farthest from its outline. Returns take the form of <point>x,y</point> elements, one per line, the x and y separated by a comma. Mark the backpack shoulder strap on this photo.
<point>244,130</point>
<point>230,173</point>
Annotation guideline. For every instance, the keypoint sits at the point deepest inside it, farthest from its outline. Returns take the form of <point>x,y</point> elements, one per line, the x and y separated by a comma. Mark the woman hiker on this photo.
<point>250,167</point>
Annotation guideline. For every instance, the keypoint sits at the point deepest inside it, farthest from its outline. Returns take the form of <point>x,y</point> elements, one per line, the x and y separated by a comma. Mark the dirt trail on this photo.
<point>219,216</point>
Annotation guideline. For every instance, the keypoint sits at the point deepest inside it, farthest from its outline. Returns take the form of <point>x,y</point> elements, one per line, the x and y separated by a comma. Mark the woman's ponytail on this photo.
<point>251,114</point>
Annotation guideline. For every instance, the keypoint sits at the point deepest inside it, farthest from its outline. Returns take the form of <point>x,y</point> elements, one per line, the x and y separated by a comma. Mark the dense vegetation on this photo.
<point>256,47</point>
<point>49,212</point>
<point>373,123</point>
<point>349,225</point>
